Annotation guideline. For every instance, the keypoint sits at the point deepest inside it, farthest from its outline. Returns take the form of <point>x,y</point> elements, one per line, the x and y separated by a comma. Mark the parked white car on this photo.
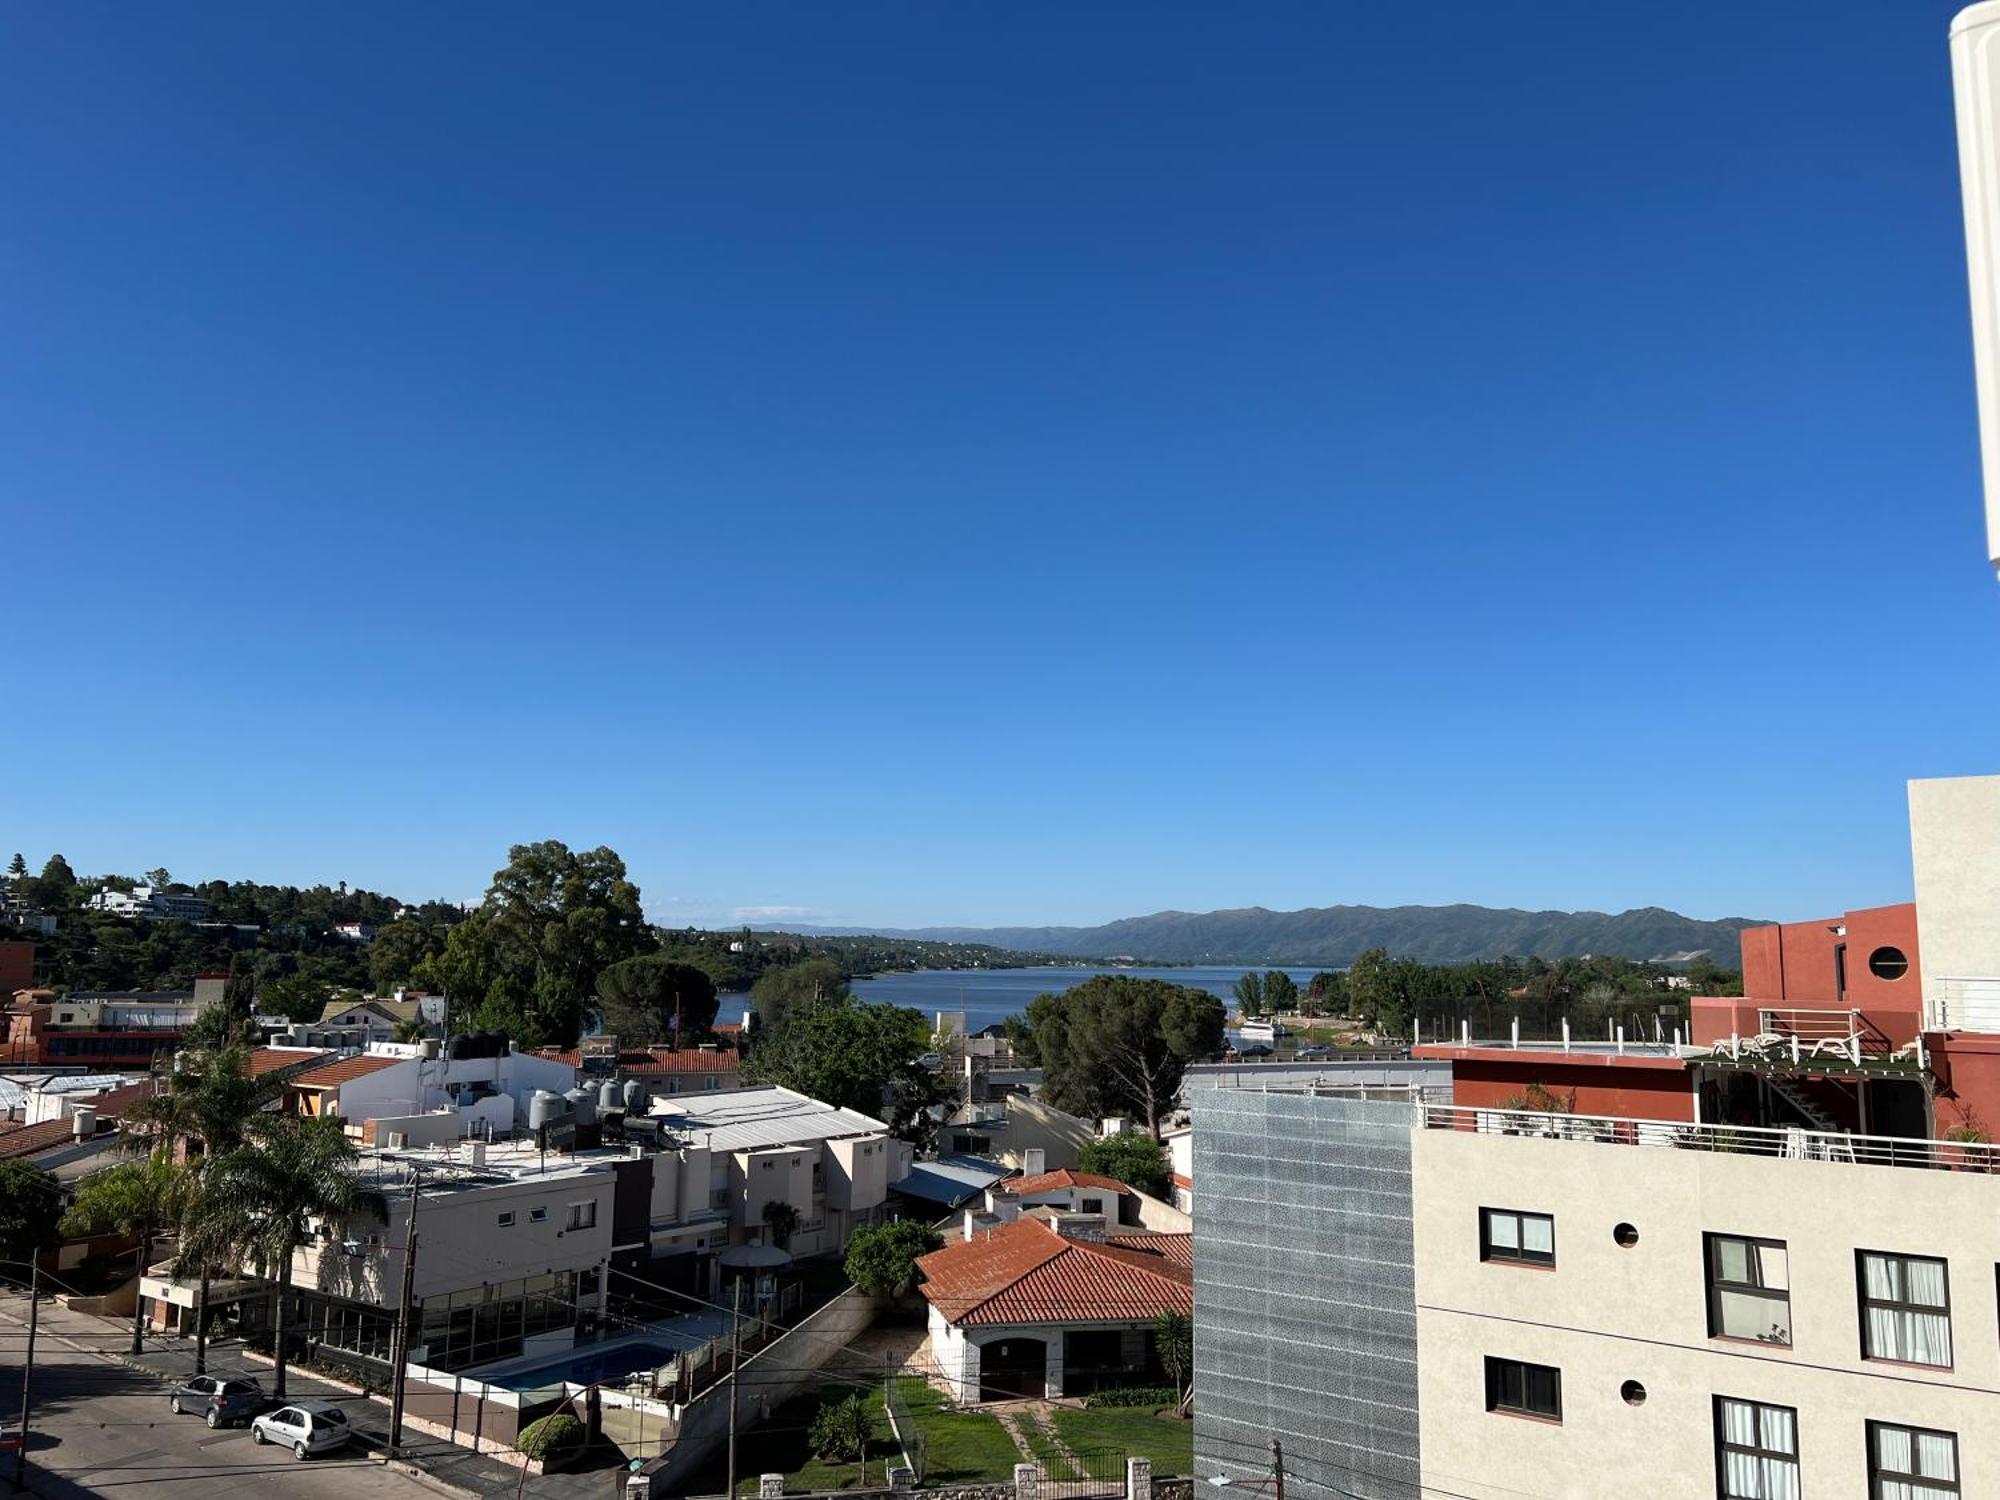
<point>305,1427</point>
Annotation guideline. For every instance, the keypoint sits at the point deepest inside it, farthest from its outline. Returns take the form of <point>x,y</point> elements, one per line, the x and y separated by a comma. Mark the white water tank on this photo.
<point>83,1122</point>
<point>545,1108</point>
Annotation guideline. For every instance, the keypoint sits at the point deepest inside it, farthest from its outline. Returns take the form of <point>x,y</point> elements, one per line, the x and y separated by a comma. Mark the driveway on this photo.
<point>98,1427</point>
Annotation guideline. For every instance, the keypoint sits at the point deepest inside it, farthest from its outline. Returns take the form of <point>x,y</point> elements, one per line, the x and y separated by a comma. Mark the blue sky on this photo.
<point>920,463</point>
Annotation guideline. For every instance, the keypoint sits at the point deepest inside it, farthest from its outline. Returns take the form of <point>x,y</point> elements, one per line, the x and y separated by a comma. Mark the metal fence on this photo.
<point>1746,1140</point>
<point>909,1432</point>
<point>1083,1472</point>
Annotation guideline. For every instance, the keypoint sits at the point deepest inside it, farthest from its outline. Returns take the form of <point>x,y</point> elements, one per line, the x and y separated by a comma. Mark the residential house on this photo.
<point>151,904</point>
<point>1009,1127</point>
<point>665,1071</point>
<point>104,1029</point>
<point>426,1090</point>
<point>1052,1305</point>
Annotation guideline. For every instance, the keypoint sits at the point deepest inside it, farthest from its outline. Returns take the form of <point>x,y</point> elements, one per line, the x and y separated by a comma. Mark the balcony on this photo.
<point>1792,1144</point>
<point>1965,1004</point>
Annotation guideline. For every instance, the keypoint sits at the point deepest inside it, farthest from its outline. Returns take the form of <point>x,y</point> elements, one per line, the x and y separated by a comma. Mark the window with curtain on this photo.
<point>1749,1290</point>
<point>1905,1309</point>
<point>1507,1234</point>
<point>1756,1450</point>
<point>1911,1463</point>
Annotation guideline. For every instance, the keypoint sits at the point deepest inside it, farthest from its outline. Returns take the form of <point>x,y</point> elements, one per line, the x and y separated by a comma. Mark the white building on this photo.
<point>423,1091</point>
<point>145,902</point>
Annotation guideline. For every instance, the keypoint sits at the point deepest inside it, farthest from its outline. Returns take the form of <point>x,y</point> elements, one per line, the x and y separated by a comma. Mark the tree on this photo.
<point>840,1429</point>
<point>200,1119</point>
<point>559,919</point>
<point>1120,1045</point>
<point>30,1204</point>
<point>1370,993</point>
<point>1136,1160</point>
<point>1281,993</point>
<point>778,992</point>
<point>296,997</point>
<point>782,1220</point>
<point>57,875</point>
<point>1173,1337</point>
<point>882,1258</point>
<point>400,952</point>
<point>860,1057</point>
<point>651,998</point>
<point>261,1200</point>
<point>17,867</point>
<point>136,1199</point>
<point>1250,994</point>
<point>159,879</point>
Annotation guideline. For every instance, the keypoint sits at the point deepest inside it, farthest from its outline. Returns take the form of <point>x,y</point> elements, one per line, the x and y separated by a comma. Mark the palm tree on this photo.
<point>135,1198</point>
<point>202,1117</point>
<point>259,1201</point>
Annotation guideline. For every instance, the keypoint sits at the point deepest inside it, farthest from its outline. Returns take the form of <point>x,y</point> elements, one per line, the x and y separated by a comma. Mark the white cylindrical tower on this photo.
<point>1975,84</point>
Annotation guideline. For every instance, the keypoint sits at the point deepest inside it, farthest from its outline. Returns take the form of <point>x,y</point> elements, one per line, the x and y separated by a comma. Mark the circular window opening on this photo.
<point>1626,1235</point>
<point>1633,1392</point>
<point>1888,963</point>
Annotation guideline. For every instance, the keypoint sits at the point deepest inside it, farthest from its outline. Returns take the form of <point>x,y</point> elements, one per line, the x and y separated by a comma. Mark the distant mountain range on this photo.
<point>1334,935</point>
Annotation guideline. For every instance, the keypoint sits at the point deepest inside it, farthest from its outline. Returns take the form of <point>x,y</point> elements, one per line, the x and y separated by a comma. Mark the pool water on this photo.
<point>587,1366</point>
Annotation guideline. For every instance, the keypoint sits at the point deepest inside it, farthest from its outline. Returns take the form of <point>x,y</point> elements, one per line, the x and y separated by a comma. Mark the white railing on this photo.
<point>1743,1140</point>
<point>1965,1004</point>
<point>1810,1025</point>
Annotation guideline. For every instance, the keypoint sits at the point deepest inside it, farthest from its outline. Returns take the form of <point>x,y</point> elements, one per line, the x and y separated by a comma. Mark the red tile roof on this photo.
<point>1176,1248</point>
<point>114,1102</point>
<point>1056,1181</point>
<point>27,1140</point>
<point>272,1059</point>
<point>1025,1272</point>
<point>332,1075</point>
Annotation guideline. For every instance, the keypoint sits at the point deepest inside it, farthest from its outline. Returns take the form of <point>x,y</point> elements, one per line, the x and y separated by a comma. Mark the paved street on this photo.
<point>102,1428</point>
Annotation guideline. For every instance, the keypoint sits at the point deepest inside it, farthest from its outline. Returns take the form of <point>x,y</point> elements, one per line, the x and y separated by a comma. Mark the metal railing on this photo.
<point>1965,1003</point>
<point>1791,1143</point>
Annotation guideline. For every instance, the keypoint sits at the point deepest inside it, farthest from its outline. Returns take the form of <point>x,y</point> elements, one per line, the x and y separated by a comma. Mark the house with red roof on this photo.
<point>666,1071</point>
<point>1053,1303</point>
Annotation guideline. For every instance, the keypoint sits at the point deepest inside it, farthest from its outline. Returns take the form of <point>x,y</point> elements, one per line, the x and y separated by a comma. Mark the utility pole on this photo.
<point>27,1372</point>
<point>400,1346</point>
<point>1277,1470</point>
<point>735,1361</point>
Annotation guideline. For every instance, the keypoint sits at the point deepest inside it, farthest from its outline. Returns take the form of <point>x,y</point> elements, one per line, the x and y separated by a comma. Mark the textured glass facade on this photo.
<point>1305,1323</point>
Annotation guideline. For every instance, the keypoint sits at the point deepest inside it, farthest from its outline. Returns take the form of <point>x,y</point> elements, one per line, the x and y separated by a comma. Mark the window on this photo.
<point>1756,1450</point>
<point>1508,1235</point>
<point>1905,1309</point>
<point>1911,1463</point>
<point>1888,963</point>
<point>1514,1385</point>
<point>507,1220</point>
<point>1749,1290</point>
<point>582,1215</point>
<point>538,1216</point>
<point>1093,1205</point>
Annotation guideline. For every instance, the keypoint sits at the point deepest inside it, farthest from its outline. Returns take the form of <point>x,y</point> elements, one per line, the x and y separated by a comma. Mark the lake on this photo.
<point>989,995</point>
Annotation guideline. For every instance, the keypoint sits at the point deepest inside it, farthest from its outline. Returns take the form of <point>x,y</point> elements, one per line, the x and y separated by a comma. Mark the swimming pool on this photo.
<point>589,1365</point>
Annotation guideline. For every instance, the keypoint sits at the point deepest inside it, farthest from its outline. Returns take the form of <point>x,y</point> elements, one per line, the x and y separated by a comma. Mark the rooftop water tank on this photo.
<point>635,1097</point>
<point>610,1096</point>
<point>582,1104</point>
<point>545,1108</point>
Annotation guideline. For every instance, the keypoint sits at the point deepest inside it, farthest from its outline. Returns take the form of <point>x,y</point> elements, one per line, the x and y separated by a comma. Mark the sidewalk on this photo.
<point>446,1467</point>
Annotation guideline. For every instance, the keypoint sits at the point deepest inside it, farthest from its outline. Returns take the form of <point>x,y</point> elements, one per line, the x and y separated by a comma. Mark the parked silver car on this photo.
<point>305,1427</point>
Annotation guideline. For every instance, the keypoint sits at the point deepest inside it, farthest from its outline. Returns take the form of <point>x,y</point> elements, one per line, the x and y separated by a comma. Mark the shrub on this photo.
<point>840,1430</point>
<point>1135,1395</point>
<point>551,1439</point>
<point>1135,1159</point>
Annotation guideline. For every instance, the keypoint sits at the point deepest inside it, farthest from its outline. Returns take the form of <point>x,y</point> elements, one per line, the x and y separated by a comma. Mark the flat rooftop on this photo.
<point>757,1119</point>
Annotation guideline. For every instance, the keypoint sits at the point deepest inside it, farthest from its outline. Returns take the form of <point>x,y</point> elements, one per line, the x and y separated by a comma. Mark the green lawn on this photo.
<point>1141,1433</point>
<point>963,1447</point>
<point>1042,1443</point>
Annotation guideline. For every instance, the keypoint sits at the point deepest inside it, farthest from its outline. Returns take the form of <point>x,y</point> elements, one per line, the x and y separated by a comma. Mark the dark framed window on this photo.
<point>1514,1385</point>
<point>1508,1234</point>
<point>1911,1463</point>
<point>1749,1289</point>
<point>1756,1450</point>
<point>1905,1308</point>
